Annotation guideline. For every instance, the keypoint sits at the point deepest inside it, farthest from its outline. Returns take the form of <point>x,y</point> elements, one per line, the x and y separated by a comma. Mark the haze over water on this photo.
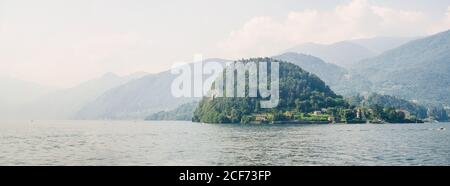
<point>186,143</point>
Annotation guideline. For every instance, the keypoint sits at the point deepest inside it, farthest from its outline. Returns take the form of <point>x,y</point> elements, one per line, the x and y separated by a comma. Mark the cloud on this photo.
<point>262,36</point>
<point>443,24</point>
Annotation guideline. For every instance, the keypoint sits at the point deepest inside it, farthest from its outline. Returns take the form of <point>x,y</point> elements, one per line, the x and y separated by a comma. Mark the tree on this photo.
<point>235,116</point>
<point>347,115</point>
<point>377,111</point>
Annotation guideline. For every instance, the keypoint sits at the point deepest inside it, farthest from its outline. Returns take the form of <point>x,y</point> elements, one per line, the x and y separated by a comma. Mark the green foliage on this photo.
<point>386,101</point>
<point>300,91</point>
<point>183,112</point>
<point>346,115</point>
<point>377,111</point>
<point>393,116</point>
<point>309,117</point>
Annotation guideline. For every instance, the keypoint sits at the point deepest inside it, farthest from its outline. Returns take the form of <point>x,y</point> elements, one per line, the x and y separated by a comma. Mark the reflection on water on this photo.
<point>185,143</point>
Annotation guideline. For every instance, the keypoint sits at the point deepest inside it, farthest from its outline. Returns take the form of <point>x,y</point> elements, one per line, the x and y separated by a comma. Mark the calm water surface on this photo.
<point>185,143</point>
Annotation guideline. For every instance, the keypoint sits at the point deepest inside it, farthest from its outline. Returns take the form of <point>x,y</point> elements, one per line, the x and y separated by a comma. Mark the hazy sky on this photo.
<point>63,42</point>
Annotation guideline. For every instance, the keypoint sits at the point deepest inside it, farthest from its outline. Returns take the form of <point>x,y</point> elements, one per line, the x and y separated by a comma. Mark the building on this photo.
<point>316,113</point>
<point>261,118</point>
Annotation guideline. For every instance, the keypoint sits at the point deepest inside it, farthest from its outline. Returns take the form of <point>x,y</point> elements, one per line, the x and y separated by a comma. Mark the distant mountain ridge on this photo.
<point>137,99</point>
<point>348,53</point>
<point>417,70</point>
<point>65,103</point>
<point>15,93</point>
<point>14,90</point>
<point>382,44</point>
<point>342,53</point>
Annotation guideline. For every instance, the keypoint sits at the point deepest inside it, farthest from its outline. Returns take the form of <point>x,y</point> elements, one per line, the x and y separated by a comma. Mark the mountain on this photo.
<point>339,79</point>
<point>343,53</point>
<point>382,44</point>
<point>183,112</point>
<point>418,70</point>
<point>299,91</point>
<point>137,99</point>
<point>330,73</point>
<point>16,93</point>
<point>350,52</point>
<point>64,104</point>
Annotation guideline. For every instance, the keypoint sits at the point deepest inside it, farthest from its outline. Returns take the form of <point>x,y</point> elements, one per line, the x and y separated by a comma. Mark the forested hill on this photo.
<point>299,91</point>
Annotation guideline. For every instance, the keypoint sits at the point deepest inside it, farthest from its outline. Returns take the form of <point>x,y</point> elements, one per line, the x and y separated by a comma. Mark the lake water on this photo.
<point>185,143</point>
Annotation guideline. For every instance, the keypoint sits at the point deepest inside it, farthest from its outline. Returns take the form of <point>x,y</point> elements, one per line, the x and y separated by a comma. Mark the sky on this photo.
<point>61,43</point>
